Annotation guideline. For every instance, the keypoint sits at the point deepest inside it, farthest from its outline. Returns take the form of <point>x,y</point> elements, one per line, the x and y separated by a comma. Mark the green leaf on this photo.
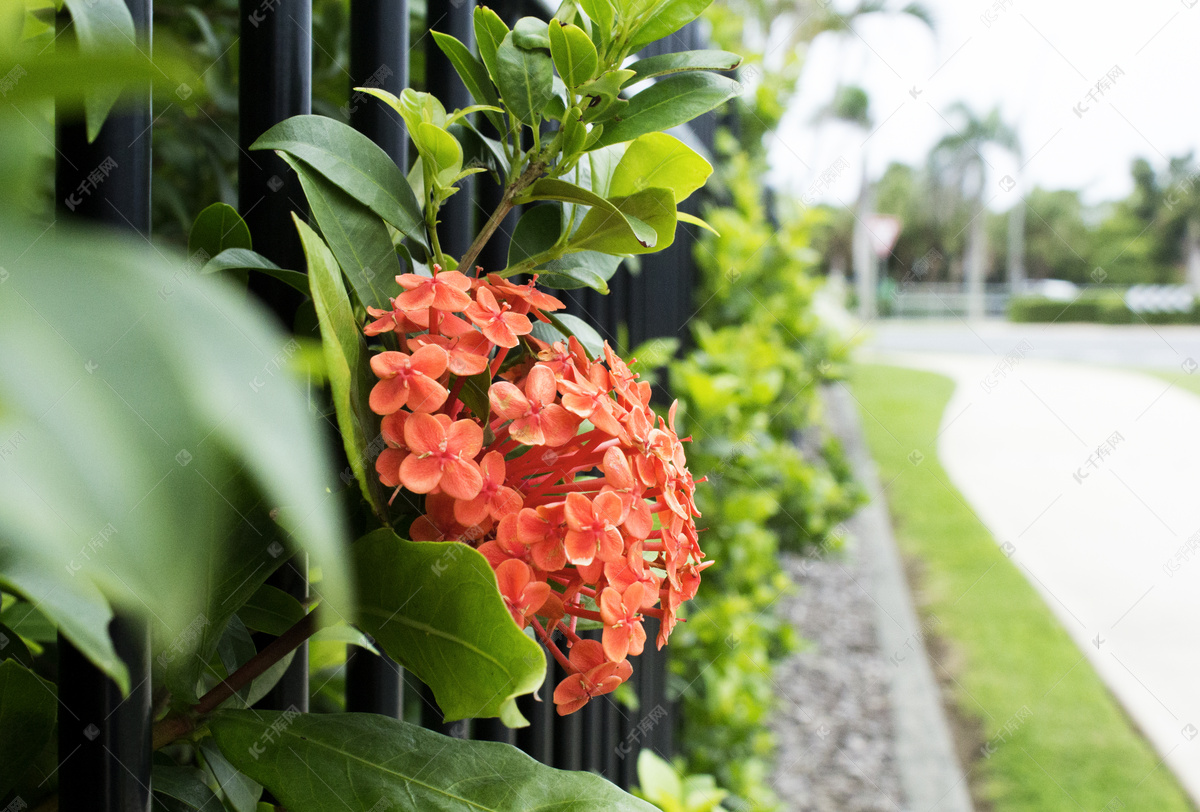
<point>610,234</point>
<point>353,162</point>
<point>573,53</point>
<point>602,95</point>
<point>563,326</point>
<point>434,607</point>
<point>440,150</point>
<point>480,150</point>
<point>346,635</point>
<point>196,430</point>
<point>184,784</point>
<point>345,359</point>
<point>28,708</point>
<point>12,647</point>
<point>580,269</point>
<point>667,18</point>
<point>322,762</point>
<point>216,228</point>
<point>682,61</point>
<point>100,26</point>
<point>692,219</point>
<point>473,73</point>
<point>490,31</point>
<point>668,103</point>
<point>242,259</point>
<point>271,610</point>
<point>603,16</point>
<point>358,238</point>
<point>555,189</point>
<point>241,791</point>
<point>474,395</point>
<point>662,161</point>
<point>531,34</point>
<point>526,80</point>
<point>537,231</point>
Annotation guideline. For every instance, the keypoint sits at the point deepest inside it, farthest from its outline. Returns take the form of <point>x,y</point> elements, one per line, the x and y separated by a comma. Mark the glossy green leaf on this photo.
<point>28,708</point>
<point>101,26</point>
<point>242,259</point>
<point>358,238</point>
<point>531,34</point>
<point>323,762</point>
<point>666,18</point>
<point>216,228</point>
<point>668,103</point>
<point>186,785</point>
<point>414,106</point>
<point>440,150</point>
<point>271,610</point>
<point>434,607</point>
<point>197,432</point>
<point>565,325</point>
<point>555,189</point>
<point>350,377</point>
<point>473,73</point>
<point>490,31</point>
<point>683,61</point>
<point>353,162</point>
<point>573,53</point>
<point>581,269</point>
<point>537,231</point>
<point>526,80</point>
<point>610,234</point>
<point>662,161</point>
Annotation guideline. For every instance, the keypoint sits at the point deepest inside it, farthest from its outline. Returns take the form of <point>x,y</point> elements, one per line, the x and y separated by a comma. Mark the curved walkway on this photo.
<point>1089,478</point>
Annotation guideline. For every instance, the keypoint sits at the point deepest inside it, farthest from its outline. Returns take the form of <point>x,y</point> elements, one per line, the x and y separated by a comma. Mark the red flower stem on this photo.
<point>453,405</point>
<point>586,614</point>
<point>551,647</point>
<point>501,353</point>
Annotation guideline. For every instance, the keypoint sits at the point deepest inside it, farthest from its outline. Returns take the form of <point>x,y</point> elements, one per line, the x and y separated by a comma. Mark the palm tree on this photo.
<point>957,162</point>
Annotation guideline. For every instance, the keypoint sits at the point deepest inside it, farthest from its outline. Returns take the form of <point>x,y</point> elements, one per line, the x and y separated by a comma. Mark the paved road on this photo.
<point>1088,478</point>
<point>1164,347</point>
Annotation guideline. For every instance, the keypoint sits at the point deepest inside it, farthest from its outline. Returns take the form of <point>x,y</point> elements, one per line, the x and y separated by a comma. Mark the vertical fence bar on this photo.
<point>453,17</point>
<point>538,739</point>
<point>103,738</point>
<point>275,83</point>
<point>378,58</point>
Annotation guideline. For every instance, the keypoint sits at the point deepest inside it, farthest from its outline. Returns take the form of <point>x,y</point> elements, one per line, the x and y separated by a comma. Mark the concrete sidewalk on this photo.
<point>1088,478</point>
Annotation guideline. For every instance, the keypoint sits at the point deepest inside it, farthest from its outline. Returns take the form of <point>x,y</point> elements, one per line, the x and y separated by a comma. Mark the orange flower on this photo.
<point>595,676</point>
<point>592,527</point>
<point>467,353</point>
<point>408,380</point>
<point>443,455</point>
<point>445,290</point>
<point>543,530</point>
<point>494,499</point>
<point>623,633</point>
<point>536,418</point>
<point>522,594</point>
<point>499,324</point>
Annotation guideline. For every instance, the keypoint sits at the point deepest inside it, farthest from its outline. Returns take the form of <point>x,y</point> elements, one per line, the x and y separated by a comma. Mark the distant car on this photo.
<point>1058,290</point>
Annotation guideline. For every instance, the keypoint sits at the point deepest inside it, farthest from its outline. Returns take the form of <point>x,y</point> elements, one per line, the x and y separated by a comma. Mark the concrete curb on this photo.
<point>932,778</point>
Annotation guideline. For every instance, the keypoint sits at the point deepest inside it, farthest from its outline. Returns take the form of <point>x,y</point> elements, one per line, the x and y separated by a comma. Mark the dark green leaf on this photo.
<point>564,326</point>
<point>358,238</point>
<point>537,231</point>
<point>241,791</point>
<point>434,607</point>
<point>526,80</point>
<point>271,610</point>
<point>366,761</point>
<point>25,619</point>
<point>12,647</point>
<point>184,784</point>
<point>101,26</point>
<point>480,150</point>
<point>490,31</point>
<point>530,33</point>
<point>667,18</point>
<point>684,61</point>
<point>668,103</point>
<point>573,53</point>
<point>474,395</point>
<point>235,648</point>
<point>473,74</point>
<point>27,710</point>
<point>346,361</point>
<point>241,259</point>
<point>216,228</point>
<point>353,162</point>
<point>581,269</point>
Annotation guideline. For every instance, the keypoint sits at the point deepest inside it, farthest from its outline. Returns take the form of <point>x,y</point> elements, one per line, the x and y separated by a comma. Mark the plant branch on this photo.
<point>531,173</point>
<point>175,727</point>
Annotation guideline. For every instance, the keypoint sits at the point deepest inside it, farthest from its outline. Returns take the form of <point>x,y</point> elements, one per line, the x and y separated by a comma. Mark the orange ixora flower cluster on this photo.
<point>572,488</point>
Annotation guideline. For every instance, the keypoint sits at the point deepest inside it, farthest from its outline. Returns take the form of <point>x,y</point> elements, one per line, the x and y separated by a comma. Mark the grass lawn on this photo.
<point>1057,739</point>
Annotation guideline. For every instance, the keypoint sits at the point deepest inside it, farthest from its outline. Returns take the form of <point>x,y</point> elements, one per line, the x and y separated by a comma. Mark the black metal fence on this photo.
<point>105,740</point>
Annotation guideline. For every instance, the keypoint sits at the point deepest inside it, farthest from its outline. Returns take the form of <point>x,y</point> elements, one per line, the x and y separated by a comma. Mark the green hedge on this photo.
<point>1105,307</point>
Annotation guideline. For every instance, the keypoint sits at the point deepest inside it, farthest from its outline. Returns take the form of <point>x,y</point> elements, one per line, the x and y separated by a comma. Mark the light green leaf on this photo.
<point>473,73</point>
<point>668,103</point>
<point>692,219</point>
<point>346,635</point>
<point>490,31</point>
<point>564,325</point>
<point>667,18</point>
<point>573,53</point>
<point>555,189</point>
<point>345,359</point>
<point>659,160</point>
<point>358,238</point>
<point>440,150</point>
<point>530,34</point>
<point>434,607</point>
<point>101,26</point>
<point>526,80</point>
<point>682,61</point>
<point>368,761</point>
<point>603,16</point>
<point>242,259</point>
<point>27,712</point>
<point>602,95</point>
<point>353,162</point>
<point>610,234</point>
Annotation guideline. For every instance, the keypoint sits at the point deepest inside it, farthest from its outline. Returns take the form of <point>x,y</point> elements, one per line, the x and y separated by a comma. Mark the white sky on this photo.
<point>1036,60</point>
